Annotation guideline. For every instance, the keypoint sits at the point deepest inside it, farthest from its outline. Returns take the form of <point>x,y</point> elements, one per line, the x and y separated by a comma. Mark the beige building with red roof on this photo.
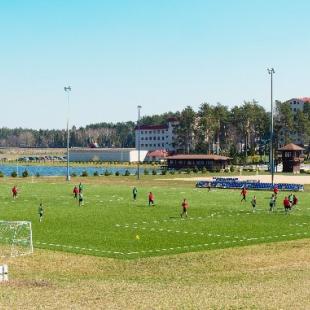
<point>156,137</point>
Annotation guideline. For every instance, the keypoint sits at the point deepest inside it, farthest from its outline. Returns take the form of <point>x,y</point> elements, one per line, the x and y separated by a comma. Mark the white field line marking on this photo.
<point>199,218</point>
<point>152,229</point>
<point>236,240</point>
<point>193,246</point>
<point>78,248</point>
<point>299,224</point>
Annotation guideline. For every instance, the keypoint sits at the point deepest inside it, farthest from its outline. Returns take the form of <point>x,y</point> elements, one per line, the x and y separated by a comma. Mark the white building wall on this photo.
<point>156,138</point>
<point>296,104</point>
<point>120,155</point>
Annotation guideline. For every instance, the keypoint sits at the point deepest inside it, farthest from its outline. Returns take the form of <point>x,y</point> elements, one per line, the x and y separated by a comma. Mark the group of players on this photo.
<point>151,199</point>
<point>77,192</point>
<point>288,203</point>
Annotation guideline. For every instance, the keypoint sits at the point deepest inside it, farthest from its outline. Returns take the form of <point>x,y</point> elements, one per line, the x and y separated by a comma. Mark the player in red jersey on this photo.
<point>151,199</point>
<point>184,207</point>
<point>14,191</point>
<point>243,193</point>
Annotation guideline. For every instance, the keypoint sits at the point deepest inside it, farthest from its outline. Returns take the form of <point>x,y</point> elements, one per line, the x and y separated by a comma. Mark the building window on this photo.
<point>150,138</point>
<point>163,138</point>
<point>142,138</point>
<point>158,144</point>
<point>142,144</point>
<point>146,145</point>
<point>162,131</point>
<point>141,132</point>
<point>158,131</point>
<point>150,131</point>
<point>162,144</point>
<point>146,138</point>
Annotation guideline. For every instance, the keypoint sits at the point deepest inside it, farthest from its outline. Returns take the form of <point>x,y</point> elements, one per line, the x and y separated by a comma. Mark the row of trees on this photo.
<point>105,134</point>
<point>242,129</point>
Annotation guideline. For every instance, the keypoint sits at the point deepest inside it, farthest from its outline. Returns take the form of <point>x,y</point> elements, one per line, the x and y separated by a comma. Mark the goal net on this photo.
<point>15,238</point>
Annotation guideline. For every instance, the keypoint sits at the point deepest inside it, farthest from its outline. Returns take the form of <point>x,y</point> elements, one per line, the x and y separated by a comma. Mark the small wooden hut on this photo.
<point>291,157</point>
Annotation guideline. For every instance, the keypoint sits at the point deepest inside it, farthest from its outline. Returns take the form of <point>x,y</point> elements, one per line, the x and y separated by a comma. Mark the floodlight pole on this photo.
<point>139,142</point>
<point>67,90</point>
<point>271,158</point>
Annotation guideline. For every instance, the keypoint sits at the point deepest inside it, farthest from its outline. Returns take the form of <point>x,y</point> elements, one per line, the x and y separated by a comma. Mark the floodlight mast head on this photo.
<point>271,70</point>
<point>67,89</point>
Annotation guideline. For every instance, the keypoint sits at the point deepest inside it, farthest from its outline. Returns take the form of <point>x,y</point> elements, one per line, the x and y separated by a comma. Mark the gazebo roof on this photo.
<point>291,147</point>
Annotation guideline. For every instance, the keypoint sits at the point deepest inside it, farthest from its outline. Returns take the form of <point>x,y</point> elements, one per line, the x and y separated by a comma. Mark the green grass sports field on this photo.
<point>111,224</point>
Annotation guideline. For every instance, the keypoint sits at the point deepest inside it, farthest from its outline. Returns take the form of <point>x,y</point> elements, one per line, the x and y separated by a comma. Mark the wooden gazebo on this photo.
<point>291,157</point>
<point>210,162</point>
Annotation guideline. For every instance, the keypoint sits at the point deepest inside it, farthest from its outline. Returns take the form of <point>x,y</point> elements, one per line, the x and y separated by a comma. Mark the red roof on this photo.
<point>305,99</point>
<point>157,153</point>
<point>291,147</point>
<point>151,127</point>
<point>198,156</point>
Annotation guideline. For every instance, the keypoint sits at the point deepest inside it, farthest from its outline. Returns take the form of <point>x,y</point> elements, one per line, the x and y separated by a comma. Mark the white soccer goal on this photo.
<point>15,238</point>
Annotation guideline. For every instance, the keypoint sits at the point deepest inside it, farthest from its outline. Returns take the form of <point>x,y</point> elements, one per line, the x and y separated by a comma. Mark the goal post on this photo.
<point>15,238</point>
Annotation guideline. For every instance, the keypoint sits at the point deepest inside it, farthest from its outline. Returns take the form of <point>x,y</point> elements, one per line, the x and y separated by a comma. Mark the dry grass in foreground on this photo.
<point>269,276</point>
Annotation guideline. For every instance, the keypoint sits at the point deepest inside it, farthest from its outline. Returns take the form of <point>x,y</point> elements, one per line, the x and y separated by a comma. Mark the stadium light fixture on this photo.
<point>68,90</point>
<point>271,157</point>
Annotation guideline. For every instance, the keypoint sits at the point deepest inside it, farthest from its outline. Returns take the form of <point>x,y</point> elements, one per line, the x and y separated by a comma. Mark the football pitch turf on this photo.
<point>111,224</point>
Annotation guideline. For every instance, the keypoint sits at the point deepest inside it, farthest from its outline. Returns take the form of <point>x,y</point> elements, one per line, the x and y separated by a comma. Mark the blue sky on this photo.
<point>161,54</point>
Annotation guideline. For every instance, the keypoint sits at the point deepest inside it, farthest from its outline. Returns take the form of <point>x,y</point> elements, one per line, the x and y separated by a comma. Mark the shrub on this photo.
<point>195,170</point>
<point>217,170</point>
<point>84,173</point>
<point>172,172</point>
<point>25,173</point>
<point>154,172</point>
<point>164,172</point>
<point>96,174</point>
<point>107,173</point>
<point>14,174</point>
<point>127,173</point>
<point>117,173</point>
<point>37,174</point>
<point>73,174</point>
<point>146,172</point>
<point>1,174</point>
<point>204,170</point>
<point>232,168</point>
<point>226,170</point>
<point>188,171</point>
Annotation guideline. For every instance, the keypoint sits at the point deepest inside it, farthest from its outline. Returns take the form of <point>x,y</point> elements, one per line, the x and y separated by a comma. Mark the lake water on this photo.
<point>62,171</point>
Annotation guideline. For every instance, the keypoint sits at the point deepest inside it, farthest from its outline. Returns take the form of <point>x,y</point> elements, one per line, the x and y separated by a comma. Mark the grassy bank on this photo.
<point>267,276</point>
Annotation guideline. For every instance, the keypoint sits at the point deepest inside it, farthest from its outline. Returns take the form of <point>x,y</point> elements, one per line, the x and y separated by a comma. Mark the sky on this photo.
<point>161,54</point>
